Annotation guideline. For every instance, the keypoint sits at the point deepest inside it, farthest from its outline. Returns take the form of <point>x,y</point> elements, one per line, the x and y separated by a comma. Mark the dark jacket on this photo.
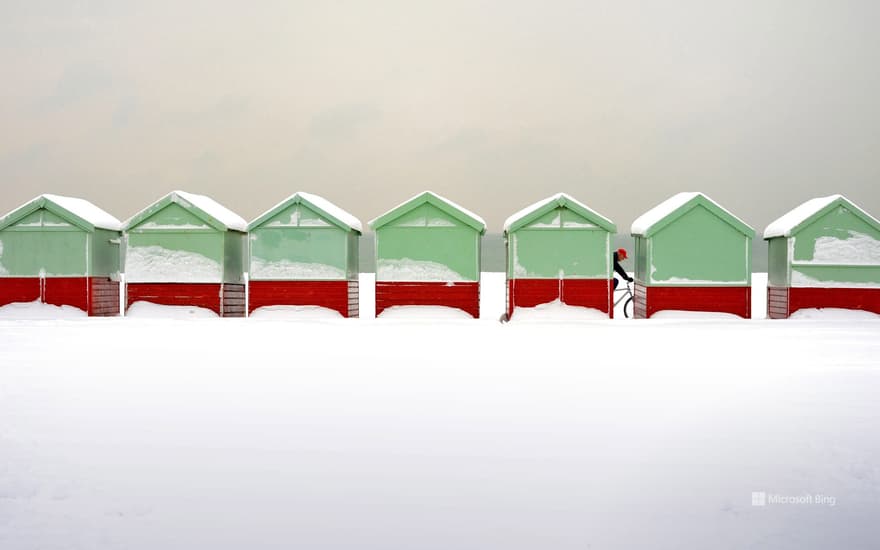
<point>619,269</point>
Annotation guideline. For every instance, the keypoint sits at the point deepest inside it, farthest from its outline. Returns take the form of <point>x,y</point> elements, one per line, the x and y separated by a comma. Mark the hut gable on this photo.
<point>834,213</point>
<point>825,242</point>
<point>558,211</point>
<point>673,208</point>
<point>182,210</point>
<point>689,240</point>
<point>55,236</point>
<point>428,254</point>
<point>304,237</point>
<point>429,210</point>
<point>185,238</point>
<point>61,251</point>
<point>307,210</point>
<point>57,211</point>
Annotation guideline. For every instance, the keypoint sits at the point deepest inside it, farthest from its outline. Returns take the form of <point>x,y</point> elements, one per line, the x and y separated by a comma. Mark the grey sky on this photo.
<point>760,104</point>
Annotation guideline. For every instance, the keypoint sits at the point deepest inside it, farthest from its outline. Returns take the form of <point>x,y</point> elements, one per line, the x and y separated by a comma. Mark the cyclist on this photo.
<point>620,254</point>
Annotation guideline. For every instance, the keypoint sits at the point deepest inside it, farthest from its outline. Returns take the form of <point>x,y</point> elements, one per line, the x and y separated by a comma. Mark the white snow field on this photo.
<point>413,432</point>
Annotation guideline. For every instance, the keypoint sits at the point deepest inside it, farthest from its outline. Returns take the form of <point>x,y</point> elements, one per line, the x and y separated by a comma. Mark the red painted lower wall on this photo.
<point>464,296</point>
<point>783,301</point>
<point>336,295</point>
<point>226,300</point>
<point>98,296</point>
<point>648,300</point>
<point>67,291</point>
<point>592,293</point>
<point>19,289</point>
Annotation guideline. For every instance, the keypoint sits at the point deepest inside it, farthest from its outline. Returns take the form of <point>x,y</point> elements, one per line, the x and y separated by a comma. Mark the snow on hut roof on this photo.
<point>318,202</point>
<point>785,225</point>
<point>643,224</point>
<point>480,221</point>
<point>558,197</point>
<point>210,207</point>
<point>85,210</point>
<point>214,209</point>
<point>333,210</point>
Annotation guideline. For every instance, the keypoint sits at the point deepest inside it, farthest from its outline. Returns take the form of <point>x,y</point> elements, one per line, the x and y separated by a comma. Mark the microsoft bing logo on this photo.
<point>762,498</point>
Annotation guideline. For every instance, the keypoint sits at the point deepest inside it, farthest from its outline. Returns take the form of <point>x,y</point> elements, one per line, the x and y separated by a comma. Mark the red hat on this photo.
<point>621,253</point>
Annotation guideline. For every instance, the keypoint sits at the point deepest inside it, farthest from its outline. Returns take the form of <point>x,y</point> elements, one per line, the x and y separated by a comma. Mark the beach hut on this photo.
<point>428,253</point>
<point>186,250</point>
<point>61,251</point>
<point>823,254</point>
<point>691,254</point>
<point>304,252</point>
<point>559,249</point>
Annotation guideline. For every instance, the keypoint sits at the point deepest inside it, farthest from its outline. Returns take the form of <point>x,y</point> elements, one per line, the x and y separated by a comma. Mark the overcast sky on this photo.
<point>761,104</point>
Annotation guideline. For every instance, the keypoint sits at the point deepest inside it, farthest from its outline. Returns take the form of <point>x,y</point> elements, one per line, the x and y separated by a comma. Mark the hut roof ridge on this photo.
<point>80,208</point>
<point>218,214</point>
<point>87,211</point>
<point>479,220</point>
<point>644,223</point>
<point>558,197</point>
<point>786,224</point>
<point>214,209</point>
<point>319,202</point>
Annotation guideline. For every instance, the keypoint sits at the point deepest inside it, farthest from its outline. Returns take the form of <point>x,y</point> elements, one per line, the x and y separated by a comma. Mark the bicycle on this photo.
<point>627,294</point>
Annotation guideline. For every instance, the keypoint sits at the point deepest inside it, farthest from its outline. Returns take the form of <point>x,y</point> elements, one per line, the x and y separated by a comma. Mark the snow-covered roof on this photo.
<point>81,208</point>
<point>209,206</point>
<point>643,224</point>
<point>214,209</point>
<point>455,206</point>
<point>318,202</point>
<point>330,208</point>
<point>510,221</point>
<point>87,211</point>
<point>786,224</point>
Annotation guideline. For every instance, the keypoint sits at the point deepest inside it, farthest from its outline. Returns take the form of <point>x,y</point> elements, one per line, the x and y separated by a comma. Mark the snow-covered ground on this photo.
<point>421,432</point>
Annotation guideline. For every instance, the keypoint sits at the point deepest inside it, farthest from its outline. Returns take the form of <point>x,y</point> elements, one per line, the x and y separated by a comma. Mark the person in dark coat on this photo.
<point>620,254</point>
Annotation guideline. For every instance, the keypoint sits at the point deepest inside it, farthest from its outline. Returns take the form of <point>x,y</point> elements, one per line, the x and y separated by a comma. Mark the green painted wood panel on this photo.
<point>172,244</point>
<point>298,253</point>
<point>835,275</point>
<point>699,248</point>
<point>297,215</point>
<point>836,249</point>
<point>172,218</point>
<point>553,253</point>
<point>640,258</point>
<point>777,262</point>
<point>832,234</point>
<point>235,257</point>
<point>429,242</point>
<point>352,249</point>
<point>105,249</point>
<point>196,256</point>
<point>43,243</point>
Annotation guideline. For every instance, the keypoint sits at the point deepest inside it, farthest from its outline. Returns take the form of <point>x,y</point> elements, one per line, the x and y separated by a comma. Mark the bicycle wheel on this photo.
<point>627,308</point>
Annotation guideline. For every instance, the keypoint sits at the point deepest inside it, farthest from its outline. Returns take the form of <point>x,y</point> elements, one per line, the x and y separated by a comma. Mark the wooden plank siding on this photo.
<point>721,299</point>
<point>591,293</point>
<point>461,295</point>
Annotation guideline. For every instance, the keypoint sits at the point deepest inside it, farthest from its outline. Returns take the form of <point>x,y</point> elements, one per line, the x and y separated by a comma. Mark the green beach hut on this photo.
<point>559,249</point>
<point>61,251</point>
<point>428,254</point>
<point>692,254</point>
<point>186,250</point>
<point>304,252</point>
<point>823,254</point>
